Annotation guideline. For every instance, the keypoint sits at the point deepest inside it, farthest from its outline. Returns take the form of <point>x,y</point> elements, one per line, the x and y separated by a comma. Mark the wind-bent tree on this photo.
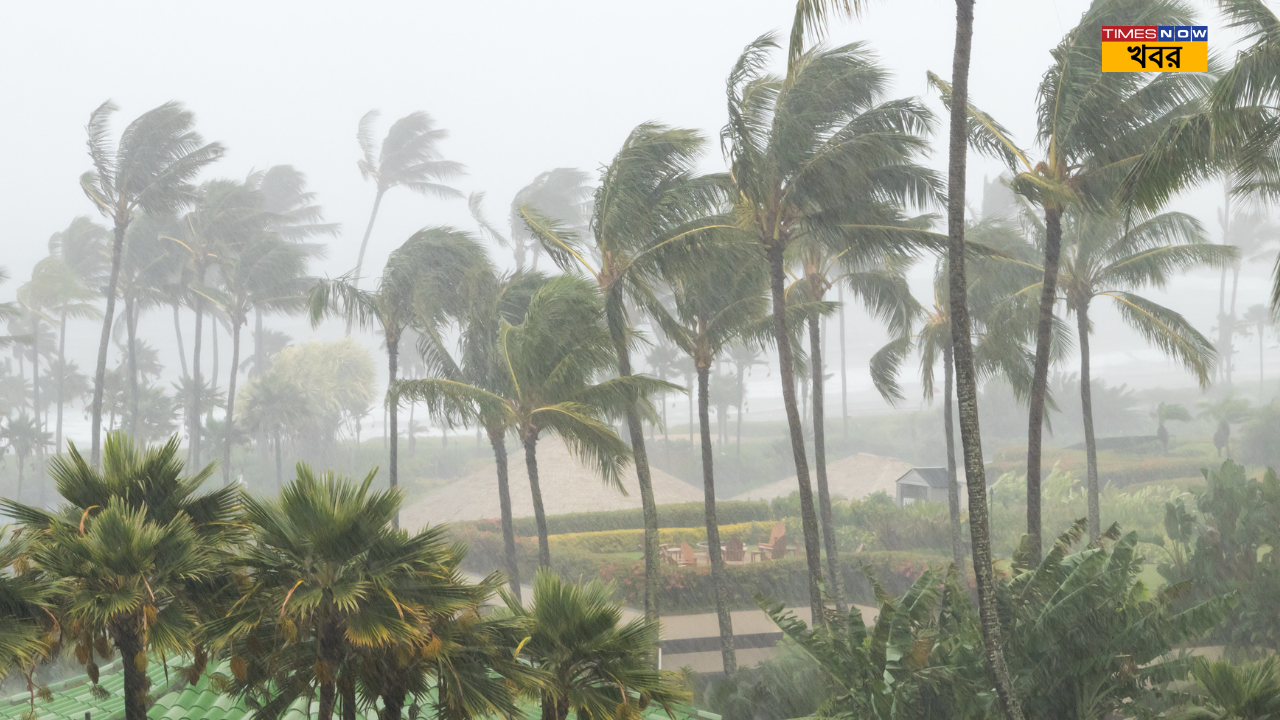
<point>1093,127</point>
<point>1168,412</point>
<point>716,303</point>
<point>462,291</point>
<point>150,170</point>
<point>649,208</point>
<point>23,435</point>
<point>819,154</point>
<point>596,665</point>
<point>409,158</point>
<point>1228,411</point>
<point>959,126</point>
<point>137,550</point>
<point>552,360</point>
<point>81,247</point>
<point>1103,259</point>
<point>390,308</point>
<point>561,193</point>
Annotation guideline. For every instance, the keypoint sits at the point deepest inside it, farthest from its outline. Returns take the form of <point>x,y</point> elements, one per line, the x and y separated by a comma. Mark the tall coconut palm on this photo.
<point>25,437</point>
<point>390,308</point>
<point>1260,318</point>
<point>462,292</point>
<point>552,360</point>
<point>596,665</point>
<point>1092,127</point>
<point>959,131</point>
<point>1251,233</point>
<point>137,549</point>
<point>716,303</point>
<point>150,170</point>
<point>81,247</point>
<point>819,153</point>
<point>648,208</point>
<point>148,270</point>
<point>409,158</point>
<point>561,193</point>
<point>1103,258</point>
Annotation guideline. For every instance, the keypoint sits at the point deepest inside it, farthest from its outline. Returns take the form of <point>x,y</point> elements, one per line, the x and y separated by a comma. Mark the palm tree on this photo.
<point>1233,692</point>
<point>326,574</point>
<point>150,171</point>
<point>1104,259</point>
<point>391,308</point>
<point>137,550</point>
<point>819,155</point>
<point>273,408</point>
<point>962,350</point>
<point>716,303</point>
<point>462,291</point>
<point>81,247</point>
<point>1093,127</point>
<point>1250,233</point>
<point>552,359</point>
<point>1228,411</point>
<point>649,207</point>
<point>25,437</point>
<point>595,665</point>
<point>1168,412</point>
<point>1259,316</point>
<point>408,158</point>
<point>561,193</point>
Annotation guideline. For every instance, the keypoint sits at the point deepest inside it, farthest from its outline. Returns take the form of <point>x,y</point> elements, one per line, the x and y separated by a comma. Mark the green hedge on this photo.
<point>682,515</point>
<point>686,590</point>
<point>616,541</point>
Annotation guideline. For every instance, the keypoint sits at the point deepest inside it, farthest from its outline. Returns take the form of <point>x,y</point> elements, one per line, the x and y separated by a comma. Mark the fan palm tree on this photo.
<point>326,574</point>
<point>391,308</point>
<point>150,170</point>
<point>462,292</point>
<point>1104,259</point>
<point>138,551</point>
<point>820,155</point>
<point>596,665</point>
<point>1093,128</point>
<point>648,208</point>
<point>552,359</point>
<point>716,304</point>
<point>561,193</point>
<point>81,247</point>
<point>1233,692</point>
<point>1168,412</point>
<point>408,158</point>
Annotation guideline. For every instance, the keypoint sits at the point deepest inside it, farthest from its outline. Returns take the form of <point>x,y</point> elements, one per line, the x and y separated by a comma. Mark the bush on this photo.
<point>681,515</point>
<point>616,541</point>
<point>1260,437</point>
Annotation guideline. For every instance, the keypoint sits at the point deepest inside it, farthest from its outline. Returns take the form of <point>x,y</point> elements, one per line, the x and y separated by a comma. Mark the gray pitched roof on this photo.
<point>936,477</point>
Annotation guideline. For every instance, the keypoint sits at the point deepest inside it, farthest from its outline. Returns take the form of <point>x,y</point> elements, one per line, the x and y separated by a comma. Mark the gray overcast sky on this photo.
<point>521,86</point>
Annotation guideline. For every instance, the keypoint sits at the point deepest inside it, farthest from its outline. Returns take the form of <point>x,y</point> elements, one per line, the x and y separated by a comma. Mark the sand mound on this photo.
<point>568,486</point>
<point>856,476</point>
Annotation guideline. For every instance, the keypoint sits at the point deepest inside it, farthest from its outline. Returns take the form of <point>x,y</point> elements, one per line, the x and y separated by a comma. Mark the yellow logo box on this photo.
<point>1177,48</point>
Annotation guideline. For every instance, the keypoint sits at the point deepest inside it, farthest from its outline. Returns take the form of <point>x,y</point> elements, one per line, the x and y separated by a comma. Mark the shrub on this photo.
<point>1260,437</point>
<point>681,515</point>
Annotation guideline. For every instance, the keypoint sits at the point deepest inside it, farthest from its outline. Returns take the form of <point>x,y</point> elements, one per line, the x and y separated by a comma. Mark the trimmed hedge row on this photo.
<point>615,541</point>
<point>688,590</point>
<point>681,515</point>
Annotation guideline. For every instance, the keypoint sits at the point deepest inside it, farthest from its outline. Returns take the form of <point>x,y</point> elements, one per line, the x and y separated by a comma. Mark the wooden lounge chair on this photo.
<point>766,549</point>
<point>779,549</point>
<point>734,551</point>
<point>687,558</point>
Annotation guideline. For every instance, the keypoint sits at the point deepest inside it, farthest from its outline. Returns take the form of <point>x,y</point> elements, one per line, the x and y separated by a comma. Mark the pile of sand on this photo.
<point>568,486</point>
<point>853,477</point>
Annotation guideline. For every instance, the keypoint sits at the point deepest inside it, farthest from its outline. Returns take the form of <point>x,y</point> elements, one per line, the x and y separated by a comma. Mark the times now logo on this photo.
<point>1155,33</point>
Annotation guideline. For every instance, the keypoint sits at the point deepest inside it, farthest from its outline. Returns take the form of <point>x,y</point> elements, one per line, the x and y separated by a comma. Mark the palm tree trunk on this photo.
<point>820,463</point>
<point>393,408</point>
<point>193,421</point>
<point>640,459</point>
<point>498,441</point>
<point>279,462</point>
<point>127,635</point>
<point>844,382</point>
<point>393,703</point>
<point>364,245</point>
<point>1231,320</point>
<point>953,481</point>
<point>131,329</point>
<point>177,331</point>
<point>1262,343</point>
<point>742,402</point>
<point>62,376</point>
<point>348,691</point>
<point>1086,403</point>
<point>727,654</point>
<point>231,400</point>
<point>104,343</point>
<point>966,383</point>
<point>35,385</point>
<point>786,369</point>
<point>1040,377</point>
<point>539,515</point>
